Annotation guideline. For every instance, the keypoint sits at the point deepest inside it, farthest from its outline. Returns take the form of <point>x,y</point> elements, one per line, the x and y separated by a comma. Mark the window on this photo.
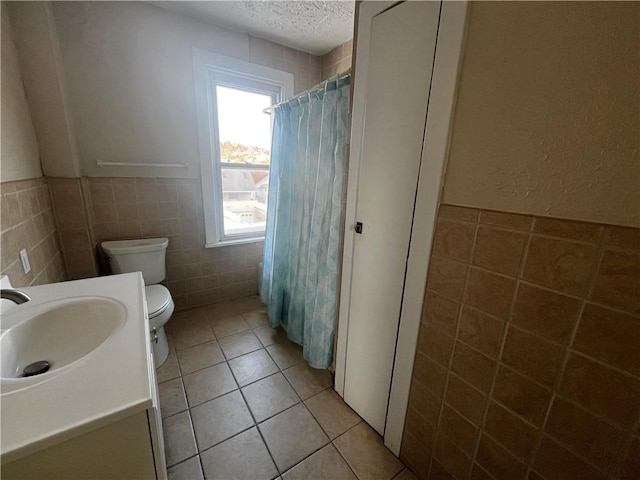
<point>235,143</point>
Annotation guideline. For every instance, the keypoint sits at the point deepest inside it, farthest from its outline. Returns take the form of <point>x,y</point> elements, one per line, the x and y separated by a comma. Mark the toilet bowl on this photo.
<point>160,307</point>
<point>148,257</point>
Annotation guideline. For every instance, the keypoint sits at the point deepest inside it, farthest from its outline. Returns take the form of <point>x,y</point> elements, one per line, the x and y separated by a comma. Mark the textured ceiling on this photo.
<point>312,26</point>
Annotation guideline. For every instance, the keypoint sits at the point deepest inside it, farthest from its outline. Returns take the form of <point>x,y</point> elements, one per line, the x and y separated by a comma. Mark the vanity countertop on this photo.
<point>109,384</point>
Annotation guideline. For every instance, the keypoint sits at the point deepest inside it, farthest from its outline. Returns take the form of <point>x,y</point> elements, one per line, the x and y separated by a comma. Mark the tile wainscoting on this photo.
<point>73,213</point>
<point>28,222</point>
<point>528,362</point>
<point>92,210</point>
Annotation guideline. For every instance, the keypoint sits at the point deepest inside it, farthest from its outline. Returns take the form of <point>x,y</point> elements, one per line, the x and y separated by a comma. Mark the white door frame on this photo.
<point>448,58</point>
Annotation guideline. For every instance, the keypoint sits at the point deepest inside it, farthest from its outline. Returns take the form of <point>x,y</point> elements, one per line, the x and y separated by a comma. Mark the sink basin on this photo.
<point>60,332</point>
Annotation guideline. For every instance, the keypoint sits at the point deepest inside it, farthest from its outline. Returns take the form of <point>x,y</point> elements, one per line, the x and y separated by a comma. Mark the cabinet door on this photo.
<point>401,51</point>
<point>118,450</point>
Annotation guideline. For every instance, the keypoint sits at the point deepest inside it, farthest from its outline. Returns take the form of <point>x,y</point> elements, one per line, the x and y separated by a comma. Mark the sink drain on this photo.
<point>36,368</point>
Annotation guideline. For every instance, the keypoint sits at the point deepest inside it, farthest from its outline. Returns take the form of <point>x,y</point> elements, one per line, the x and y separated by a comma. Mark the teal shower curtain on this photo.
<point>305,218</point>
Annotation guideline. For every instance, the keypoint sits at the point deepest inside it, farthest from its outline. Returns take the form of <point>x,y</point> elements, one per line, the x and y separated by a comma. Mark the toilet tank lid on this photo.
<point>119,247</point>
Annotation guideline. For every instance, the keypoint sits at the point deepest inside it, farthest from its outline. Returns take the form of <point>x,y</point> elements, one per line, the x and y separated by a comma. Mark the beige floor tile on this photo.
<point>249,304</point>
<point>194,331</point>
<point>208,383</point>
<point>187,470</point>
<point>225,326</point>
<point>334,416</point>
<point>308,381</point>
<point>170,342</point>
<point>172,398</point>
<point>252,366</point>
<point>406,474</point>
<point>219,310</point>
<point>169,369</point>
<point>285,354</point>
<point>200,356</point>
<point>219,419</point>
<point>243,457</point>
<point>363,449</point>
<point>269,396</point>
<point>325,464</point>
<point>257,318</point>
<point>184,316</point>
<point>239,344</point>
<point>269,336</point>
<point>179,442</point>
<point>292,435</point>
<point>233,307</point>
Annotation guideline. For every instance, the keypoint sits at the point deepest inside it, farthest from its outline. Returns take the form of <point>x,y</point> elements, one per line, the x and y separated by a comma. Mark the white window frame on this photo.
<point>211,70</point>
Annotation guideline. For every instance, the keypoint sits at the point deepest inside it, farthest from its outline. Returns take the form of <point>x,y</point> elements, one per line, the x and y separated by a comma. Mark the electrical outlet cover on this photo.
<point>24,258</point>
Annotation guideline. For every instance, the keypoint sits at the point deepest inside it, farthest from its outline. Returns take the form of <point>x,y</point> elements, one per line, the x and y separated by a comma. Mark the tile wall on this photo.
<point>337,60</point>
<point>73,213</point>
<point>528,358</point>
<point>172,208</point>
<point>28,222</point>
<point>92,210</point>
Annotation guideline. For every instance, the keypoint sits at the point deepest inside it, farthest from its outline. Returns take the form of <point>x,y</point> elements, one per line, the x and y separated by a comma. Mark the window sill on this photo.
<point>229,243</point>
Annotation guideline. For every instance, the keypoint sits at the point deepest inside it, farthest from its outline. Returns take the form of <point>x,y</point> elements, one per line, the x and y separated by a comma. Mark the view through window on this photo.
<point>245,148</point>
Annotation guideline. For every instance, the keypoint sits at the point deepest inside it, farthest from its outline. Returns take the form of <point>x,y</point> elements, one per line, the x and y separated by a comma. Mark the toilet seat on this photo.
<point>158,299</point>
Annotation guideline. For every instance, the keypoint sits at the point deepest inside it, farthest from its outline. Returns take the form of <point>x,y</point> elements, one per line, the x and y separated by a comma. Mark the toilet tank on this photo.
<point>146,255</point>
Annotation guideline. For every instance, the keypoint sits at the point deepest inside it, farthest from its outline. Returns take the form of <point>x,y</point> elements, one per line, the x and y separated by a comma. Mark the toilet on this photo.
<point>147,256</point>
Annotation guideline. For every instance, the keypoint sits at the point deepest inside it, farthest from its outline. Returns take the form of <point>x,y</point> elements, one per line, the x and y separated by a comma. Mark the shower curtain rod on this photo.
<point>312,89</point>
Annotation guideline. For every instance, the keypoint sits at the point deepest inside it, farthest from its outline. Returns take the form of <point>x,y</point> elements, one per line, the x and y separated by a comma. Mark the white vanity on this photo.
<point>95,412</point>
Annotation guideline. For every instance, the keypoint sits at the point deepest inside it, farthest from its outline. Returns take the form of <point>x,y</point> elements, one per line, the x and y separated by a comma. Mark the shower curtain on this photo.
<point>305,218</point>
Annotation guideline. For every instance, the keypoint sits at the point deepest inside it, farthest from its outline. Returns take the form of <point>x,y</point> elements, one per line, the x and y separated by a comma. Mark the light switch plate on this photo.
<point>24,258</point>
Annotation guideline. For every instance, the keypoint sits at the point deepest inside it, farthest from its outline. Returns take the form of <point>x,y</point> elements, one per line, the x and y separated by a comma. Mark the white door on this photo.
<point>402,48</point>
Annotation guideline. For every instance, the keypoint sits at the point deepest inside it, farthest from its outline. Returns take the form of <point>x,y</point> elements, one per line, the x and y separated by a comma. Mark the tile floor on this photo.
<point>238,401</point>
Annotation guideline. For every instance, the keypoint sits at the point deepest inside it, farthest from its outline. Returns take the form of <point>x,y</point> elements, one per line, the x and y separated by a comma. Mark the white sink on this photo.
<point>95,334</point>
<point>60,332</point>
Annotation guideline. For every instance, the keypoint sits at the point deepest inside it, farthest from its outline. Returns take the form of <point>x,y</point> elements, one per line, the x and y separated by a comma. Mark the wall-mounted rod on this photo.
<point>315,88</point>
<point>100,163</point>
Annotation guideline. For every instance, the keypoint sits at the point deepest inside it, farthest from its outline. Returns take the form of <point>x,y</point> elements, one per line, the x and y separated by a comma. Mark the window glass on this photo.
<point>244,127</point>
<point>244,200</point>
<point>245,139</point>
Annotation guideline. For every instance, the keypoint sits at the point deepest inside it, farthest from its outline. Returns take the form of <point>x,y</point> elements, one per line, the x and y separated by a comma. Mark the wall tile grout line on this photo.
<point>539,337</point>
<point>28,221</point>
<point>451,354</point>
<point>478,435</point>
<point>540,287</point>
<point>505,330</point>
<point>561,370</point>
<point>559,282</point>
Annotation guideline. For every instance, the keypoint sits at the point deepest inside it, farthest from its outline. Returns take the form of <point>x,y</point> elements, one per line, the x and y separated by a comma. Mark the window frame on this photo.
<point>211,70</point>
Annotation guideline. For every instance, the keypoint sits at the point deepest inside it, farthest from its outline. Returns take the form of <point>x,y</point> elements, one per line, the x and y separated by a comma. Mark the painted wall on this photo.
<point>19,152</point>
<point>37,44</point>
<point>129,77</point>
<point>548,111</point>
